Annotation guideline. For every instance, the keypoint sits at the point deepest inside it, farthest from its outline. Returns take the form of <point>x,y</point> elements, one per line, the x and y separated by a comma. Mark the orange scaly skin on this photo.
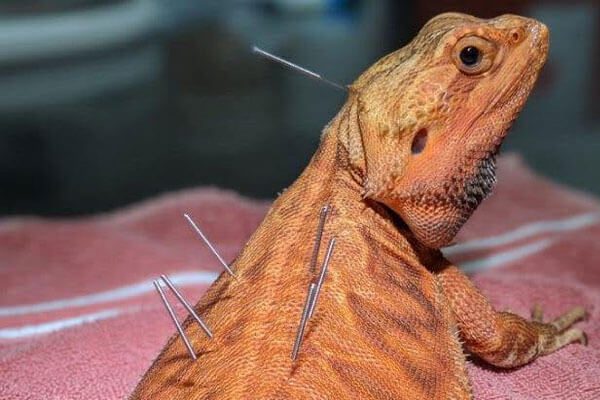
<point>403,165</point>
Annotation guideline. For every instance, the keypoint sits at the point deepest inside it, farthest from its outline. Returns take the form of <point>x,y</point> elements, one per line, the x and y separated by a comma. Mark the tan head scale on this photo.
<point>433,114</point>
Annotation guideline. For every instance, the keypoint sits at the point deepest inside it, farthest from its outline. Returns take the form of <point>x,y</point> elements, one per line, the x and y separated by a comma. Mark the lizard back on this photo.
<point>380,329</point>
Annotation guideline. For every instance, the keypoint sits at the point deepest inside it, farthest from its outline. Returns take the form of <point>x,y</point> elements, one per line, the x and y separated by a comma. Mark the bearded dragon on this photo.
<point>402,166</point>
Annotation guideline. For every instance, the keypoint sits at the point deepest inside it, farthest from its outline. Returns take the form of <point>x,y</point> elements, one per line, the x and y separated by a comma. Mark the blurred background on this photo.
<point>107,102</point>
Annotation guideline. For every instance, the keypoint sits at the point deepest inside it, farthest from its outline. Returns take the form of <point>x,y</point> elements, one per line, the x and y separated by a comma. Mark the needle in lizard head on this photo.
<point>208,244</point>
<point>297,68</point>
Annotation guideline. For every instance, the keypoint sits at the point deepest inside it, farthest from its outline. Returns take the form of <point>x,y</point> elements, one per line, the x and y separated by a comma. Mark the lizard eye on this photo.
<point>470,55</point>
<point>474,55</point>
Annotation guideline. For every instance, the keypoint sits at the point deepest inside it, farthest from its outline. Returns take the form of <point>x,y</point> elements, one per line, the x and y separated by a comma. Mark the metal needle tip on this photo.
<point>303,320</point>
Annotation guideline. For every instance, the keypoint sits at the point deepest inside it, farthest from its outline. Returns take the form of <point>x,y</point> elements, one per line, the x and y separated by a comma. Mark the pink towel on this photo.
<point>79,318</point>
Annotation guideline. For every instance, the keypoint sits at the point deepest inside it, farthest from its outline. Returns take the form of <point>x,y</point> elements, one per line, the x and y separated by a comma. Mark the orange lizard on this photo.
<point>402,166</point>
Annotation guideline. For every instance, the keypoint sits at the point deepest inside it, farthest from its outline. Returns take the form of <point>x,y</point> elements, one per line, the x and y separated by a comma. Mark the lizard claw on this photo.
<point>559,330</point>
<point>537,313</point>
<point>567,319</point>
<point>584,339</point>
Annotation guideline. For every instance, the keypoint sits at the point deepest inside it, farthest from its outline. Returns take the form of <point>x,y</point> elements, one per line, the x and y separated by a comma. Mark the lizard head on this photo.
<point>433,115</point>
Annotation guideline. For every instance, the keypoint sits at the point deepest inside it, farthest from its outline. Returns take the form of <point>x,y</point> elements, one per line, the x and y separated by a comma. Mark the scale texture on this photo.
<point>403,165</point>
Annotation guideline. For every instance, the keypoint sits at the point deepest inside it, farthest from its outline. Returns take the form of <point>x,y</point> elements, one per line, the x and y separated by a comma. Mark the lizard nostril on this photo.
<point>515,36</point>
<point>419,141</point>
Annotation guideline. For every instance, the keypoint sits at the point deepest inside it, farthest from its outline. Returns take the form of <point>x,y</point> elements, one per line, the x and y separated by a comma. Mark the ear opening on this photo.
<point>419,141</point>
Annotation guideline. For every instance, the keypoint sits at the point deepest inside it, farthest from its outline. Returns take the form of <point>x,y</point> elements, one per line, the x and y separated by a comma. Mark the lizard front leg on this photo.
<point>504,339</point>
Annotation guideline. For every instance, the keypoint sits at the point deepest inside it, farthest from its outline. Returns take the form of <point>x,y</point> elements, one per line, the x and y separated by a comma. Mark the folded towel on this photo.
<point>79,318</point>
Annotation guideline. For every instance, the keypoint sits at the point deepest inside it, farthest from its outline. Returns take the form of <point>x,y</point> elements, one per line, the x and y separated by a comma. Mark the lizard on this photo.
<point>402,166</point>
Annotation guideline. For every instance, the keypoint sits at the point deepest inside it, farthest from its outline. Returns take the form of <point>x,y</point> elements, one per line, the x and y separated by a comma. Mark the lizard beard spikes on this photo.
<point>435,217</point>
<point>481,184</point>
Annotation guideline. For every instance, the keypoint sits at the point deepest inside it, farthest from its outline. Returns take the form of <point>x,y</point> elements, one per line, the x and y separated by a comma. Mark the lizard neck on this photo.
<point>335,176</point>
<point>330,177</point>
